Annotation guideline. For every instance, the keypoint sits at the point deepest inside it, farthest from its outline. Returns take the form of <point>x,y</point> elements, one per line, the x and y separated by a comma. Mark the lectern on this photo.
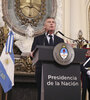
<point>59,82</point>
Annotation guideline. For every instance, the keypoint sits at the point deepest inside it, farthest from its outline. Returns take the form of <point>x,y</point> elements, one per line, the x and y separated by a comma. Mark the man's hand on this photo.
<point>31,54</point>
<point>88,53</point>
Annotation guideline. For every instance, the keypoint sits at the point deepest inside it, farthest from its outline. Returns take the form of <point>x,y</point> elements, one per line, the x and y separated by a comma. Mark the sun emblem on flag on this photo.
<point>7,61</point>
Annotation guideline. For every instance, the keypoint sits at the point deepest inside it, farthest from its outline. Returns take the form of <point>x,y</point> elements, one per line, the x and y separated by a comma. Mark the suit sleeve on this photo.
<point>62,40</point>
<point>35,42</point>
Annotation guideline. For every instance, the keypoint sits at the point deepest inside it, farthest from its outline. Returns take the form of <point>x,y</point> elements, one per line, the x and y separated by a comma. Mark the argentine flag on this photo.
<point>7,64</point>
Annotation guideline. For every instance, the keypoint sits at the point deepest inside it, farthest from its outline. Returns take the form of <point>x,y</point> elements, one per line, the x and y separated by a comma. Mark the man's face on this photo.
<point>50,24</point>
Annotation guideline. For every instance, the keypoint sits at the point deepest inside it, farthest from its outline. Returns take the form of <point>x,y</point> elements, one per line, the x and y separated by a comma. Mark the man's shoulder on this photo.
<point>40,36</point>
<point>59,38</point>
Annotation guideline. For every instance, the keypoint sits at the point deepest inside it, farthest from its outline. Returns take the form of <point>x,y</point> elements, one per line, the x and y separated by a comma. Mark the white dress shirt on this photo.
<point>48,37</point>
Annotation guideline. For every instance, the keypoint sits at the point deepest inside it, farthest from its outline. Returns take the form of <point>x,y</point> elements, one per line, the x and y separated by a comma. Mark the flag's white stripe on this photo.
<point>11,44</point>
<point>7,46</point>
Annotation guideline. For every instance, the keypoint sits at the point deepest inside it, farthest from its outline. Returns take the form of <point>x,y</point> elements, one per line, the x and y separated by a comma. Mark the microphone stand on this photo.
<point>69,38</point>
<point>65,36</point>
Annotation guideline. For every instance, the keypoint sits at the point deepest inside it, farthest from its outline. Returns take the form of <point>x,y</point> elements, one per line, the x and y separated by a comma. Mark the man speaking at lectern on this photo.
<point>46,39</point>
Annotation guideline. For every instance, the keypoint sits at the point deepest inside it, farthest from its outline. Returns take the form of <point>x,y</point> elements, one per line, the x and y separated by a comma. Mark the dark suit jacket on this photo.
<point>42,40</point>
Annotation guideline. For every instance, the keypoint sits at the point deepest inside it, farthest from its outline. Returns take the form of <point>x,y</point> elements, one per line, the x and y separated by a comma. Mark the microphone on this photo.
<point>64,35</point>
<point>60,33</point>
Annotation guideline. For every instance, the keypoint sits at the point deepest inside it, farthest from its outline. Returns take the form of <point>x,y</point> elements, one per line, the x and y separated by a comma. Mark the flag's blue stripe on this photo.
<point>4,79</point>
<point>9,43</point>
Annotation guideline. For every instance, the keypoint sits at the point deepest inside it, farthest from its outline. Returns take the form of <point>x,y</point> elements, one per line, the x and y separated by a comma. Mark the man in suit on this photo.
<point>46,39</point>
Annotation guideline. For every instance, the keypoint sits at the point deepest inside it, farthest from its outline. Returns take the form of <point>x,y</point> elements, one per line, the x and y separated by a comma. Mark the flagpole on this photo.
<point>6,96</point>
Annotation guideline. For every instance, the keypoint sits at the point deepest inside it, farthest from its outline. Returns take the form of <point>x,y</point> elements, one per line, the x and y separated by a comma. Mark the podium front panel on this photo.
<point>60,82</point>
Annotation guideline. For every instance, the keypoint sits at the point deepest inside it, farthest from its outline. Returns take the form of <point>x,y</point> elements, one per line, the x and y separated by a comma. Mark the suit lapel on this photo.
<point>45,39</point>
<point>55,40</point>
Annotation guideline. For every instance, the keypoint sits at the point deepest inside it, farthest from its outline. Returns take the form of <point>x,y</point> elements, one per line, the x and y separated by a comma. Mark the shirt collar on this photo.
<point>49,34</point>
